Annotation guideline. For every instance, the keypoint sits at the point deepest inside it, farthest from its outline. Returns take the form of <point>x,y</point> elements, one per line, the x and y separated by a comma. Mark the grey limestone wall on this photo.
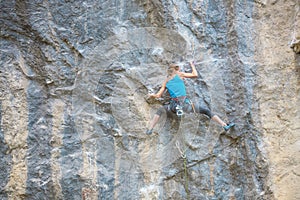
<point>74,76</point>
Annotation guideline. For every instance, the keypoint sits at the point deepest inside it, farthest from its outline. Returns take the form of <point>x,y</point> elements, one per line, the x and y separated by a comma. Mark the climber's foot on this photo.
<point>228,126</point>
<point>149,131</point>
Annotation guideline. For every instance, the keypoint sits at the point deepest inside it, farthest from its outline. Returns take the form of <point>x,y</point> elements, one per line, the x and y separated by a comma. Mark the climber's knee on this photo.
<point>161,110</point>
<point>205,111</point>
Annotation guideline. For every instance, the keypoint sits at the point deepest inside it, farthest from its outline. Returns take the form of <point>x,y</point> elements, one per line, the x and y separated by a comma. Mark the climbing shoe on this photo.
<point>228,126</point>
<point>149,131</point>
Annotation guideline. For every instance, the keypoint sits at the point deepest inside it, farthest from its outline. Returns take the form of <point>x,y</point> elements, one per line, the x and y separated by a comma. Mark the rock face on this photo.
<point>73,109</point>
<point>278,94</point>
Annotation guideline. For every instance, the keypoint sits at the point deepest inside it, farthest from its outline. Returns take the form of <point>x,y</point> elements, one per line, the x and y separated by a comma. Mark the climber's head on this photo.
<point>172,69</point>
<point>174,66</point>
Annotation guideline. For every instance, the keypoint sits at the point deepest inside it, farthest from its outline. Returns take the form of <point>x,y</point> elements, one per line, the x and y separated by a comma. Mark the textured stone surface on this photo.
<point>73,80</point>
<point>278,94</point>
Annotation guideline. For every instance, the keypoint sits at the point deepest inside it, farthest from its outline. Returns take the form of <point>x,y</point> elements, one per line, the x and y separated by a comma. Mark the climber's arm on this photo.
<point>193,74</point>
<point>160,92</point>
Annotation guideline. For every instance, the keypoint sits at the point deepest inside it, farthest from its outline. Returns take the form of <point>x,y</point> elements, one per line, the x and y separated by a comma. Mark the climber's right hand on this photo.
<point>152,96</point>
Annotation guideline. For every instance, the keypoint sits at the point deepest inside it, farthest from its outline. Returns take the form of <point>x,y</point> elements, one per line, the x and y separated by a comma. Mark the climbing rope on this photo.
<point>186,178</point>
<point>182,153</point>
<point>186,187</point>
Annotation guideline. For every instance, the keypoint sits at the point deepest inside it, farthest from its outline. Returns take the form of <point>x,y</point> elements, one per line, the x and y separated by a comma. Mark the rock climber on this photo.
<point>179,103</point>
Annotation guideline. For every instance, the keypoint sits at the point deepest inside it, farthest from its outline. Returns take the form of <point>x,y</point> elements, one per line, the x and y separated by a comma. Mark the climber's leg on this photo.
<point>214,117</point>
<point>222,123</point>
<point>152,124</point>
<point>204,111</point>
<point>155,119</point>
<point>218,120</point>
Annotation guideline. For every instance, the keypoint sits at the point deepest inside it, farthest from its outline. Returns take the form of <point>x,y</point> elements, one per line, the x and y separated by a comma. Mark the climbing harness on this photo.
<point>179,110</point>
<point>177,104</point>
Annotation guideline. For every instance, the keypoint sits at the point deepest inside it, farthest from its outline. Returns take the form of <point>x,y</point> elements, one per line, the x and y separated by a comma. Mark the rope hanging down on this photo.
<point>183,155</point>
